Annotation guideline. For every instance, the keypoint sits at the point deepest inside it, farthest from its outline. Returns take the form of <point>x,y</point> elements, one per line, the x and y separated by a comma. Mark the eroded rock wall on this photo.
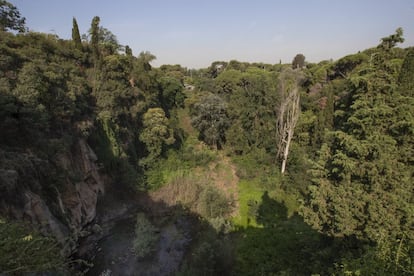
<point>57,196</point>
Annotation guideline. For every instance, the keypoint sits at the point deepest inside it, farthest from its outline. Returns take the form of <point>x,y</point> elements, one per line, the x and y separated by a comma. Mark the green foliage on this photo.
<point>361,180</point>
<point>50,91</point>
<point>211,120</point>
<point>351,157</point>
<point>76,35</point>
<point>156,134</point>
<point>298,61</point>
<point>228,82</point>
<point>391,41</point>
<point>8,107</point>
<point>128,51</point>
<point>405,79</point>
<point>321,72</point>
<point>208,259</point>
<point>212,203</point>
<point>253,126</point>
<point>172,93</point>
<point>347,64</point>
<point>212,254</point>
<point>250,195</point>
<point>23,250</point>
<point>146,236</point>
<point>255,163</point>
<point>258,249</point>
<point>94,33</point>
<point>10,18</point>
<point>204,259</point>
<point>179,162</point>
<point>386,258</point>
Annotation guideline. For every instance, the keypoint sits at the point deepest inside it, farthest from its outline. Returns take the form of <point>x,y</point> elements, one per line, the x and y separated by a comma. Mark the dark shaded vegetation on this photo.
<point>282,246</point>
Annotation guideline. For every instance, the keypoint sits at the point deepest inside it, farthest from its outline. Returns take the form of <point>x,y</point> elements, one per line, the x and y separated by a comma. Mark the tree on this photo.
<point>391,41</point>
<point>227,82</point>
<point>10,18</point>
<point>128,51</point>
<point>211,120</point>
<point>144,60</point>
<point>362,180</point>
<point>287,113</point>
<point>145,80</point>
<point>108,41</point>
<point>253,125</point>
<point>298,61</point>
<point>156,134</point>
<point>172,93</point>
<point>405,79</point>
<point>75,34</point>
<point>94,33</point>
<point>348,63</point>
<point>103,41</point>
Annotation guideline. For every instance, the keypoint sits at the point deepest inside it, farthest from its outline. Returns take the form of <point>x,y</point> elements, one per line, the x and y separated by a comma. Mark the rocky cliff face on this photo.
<point>57,196</point>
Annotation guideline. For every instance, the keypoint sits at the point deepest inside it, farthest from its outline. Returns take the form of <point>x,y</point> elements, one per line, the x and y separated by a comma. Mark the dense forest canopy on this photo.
<point>321,154</point>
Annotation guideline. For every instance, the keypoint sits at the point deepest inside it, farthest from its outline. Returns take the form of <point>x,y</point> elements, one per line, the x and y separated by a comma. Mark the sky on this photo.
<point>194,33</point>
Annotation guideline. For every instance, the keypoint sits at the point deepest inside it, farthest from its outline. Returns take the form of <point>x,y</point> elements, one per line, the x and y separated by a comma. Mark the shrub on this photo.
<point>212,203</point>
<point>23,250</point>
<point>146,236</point>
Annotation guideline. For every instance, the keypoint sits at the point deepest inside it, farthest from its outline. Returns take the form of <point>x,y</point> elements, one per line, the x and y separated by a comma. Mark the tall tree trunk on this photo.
<point>288,114</point>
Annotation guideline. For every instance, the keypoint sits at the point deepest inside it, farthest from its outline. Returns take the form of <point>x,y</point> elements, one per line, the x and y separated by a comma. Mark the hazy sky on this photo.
<point>195,33</point>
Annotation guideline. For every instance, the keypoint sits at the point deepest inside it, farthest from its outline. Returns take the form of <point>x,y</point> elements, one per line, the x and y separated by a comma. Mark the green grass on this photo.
<point>253,190</point>
<point>289,200</point>
<point>277,239</point>
<point>185,122</point>
<point>248,191</point>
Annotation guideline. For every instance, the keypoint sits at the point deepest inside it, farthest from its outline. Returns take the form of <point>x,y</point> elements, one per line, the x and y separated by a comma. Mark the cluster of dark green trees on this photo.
<point>362,176</point>
<point>92,88</point>
<point>54,92</point>
<point>352,144</point>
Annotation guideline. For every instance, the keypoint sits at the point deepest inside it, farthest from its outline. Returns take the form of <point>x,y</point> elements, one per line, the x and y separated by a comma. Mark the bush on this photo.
<point>253,164</point>
<point>146,236</point>
<point>212,203</point>
<point>23,250</point>
<point>221,225</point>
<point>178,162</point>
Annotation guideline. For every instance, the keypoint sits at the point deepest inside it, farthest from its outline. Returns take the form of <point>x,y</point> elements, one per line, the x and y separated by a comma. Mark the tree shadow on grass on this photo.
<point>270,212</point>
<point>282,245</point>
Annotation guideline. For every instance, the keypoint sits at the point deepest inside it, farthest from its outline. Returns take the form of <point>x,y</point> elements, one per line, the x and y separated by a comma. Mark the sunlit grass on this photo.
<point>252,190</point>
<point>289,200</point>
<point>248,191</point>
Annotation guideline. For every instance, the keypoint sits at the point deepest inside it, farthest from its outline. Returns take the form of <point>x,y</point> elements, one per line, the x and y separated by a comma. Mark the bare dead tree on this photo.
<point>288,112</point>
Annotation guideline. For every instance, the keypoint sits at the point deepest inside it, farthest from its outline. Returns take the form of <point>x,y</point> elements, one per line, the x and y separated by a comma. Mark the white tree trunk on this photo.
<point>286,151</point>
<point>288,115</point>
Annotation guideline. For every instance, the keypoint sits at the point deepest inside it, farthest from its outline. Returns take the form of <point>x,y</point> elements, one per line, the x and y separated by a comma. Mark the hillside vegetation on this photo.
<point>284,169</point>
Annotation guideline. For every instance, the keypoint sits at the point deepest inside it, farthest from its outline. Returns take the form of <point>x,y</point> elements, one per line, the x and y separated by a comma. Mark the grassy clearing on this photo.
<point>249,191</point>
<point>269,235</point>
<point>289,200</point>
